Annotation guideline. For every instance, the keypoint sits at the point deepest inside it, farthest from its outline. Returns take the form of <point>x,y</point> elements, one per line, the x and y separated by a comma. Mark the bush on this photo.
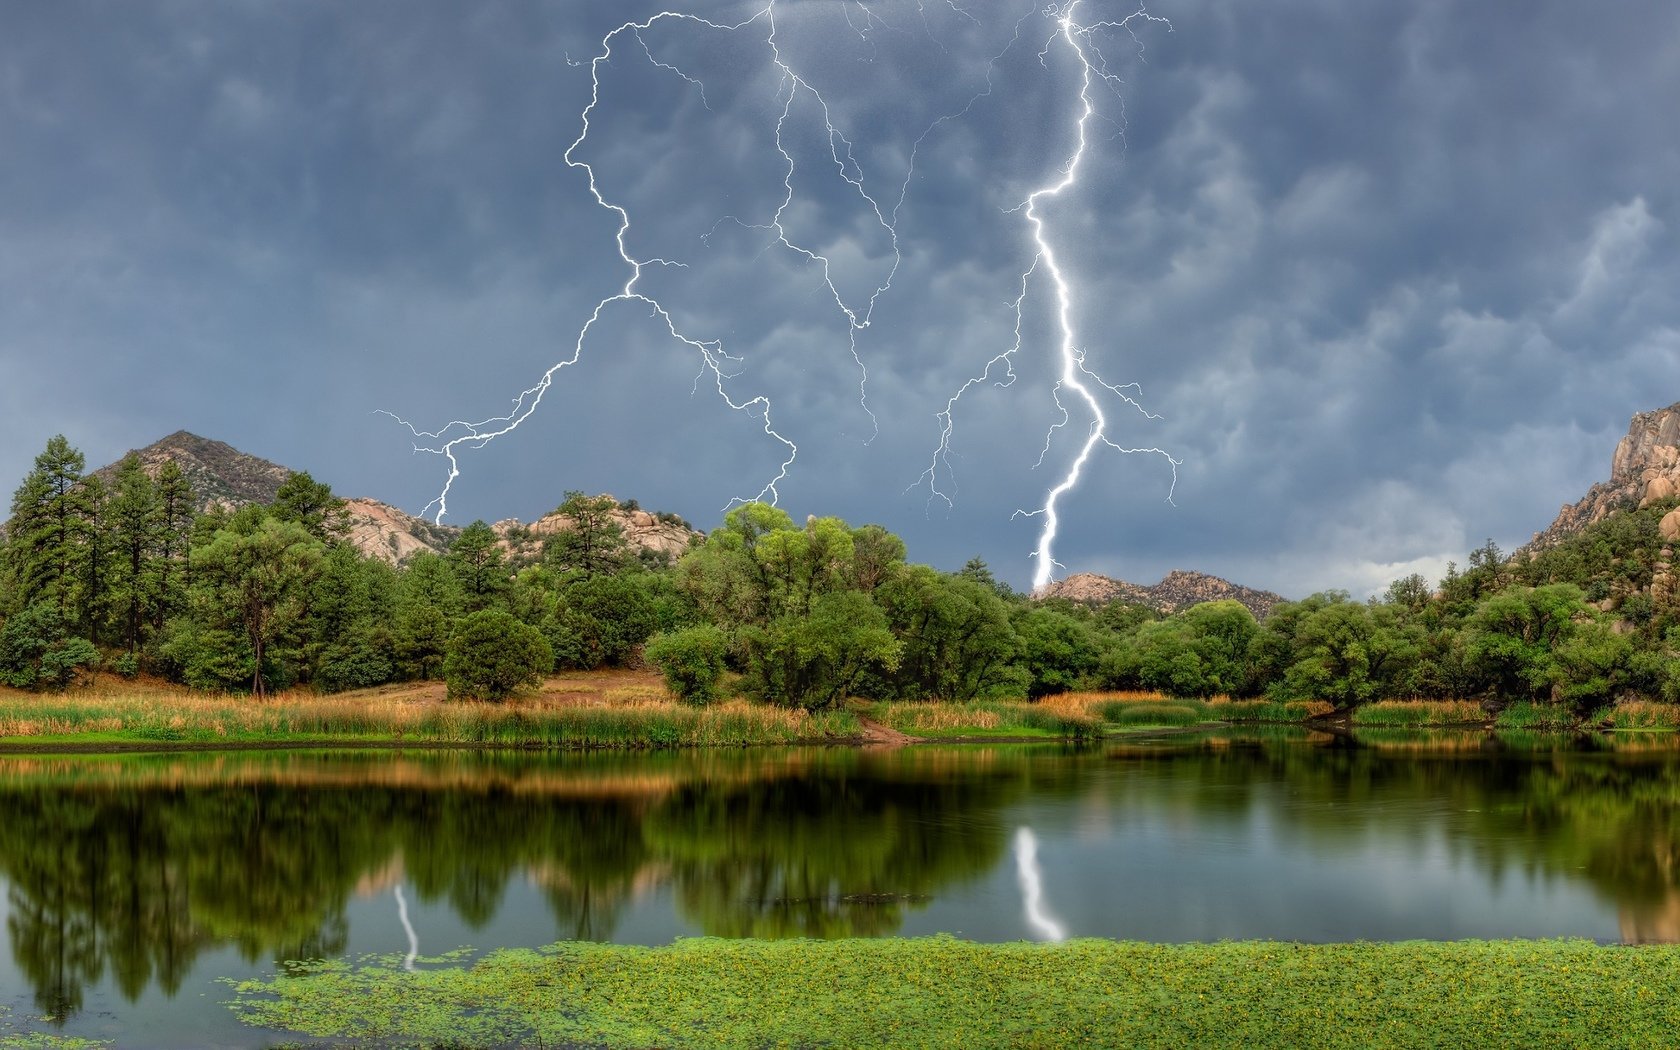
<point>37,650</point>
<point>491,654</point>
<point>691,661</point>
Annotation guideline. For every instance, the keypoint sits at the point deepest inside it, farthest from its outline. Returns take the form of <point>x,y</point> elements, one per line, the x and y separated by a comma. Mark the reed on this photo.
<point>1525,715</point>
<point>1412,713</point>
<point>998,718</point>
<point>1639,714</point>
<point>631,720</point>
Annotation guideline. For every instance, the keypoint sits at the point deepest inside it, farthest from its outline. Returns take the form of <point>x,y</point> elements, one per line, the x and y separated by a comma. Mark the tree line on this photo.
<point>124,575</point>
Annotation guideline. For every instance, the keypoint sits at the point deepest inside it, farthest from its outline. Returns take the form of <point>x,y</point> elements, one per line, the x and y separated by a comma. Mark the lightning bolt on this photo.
<point>1078,388</point>
<point>1075,374</point>
<point>459,435</point>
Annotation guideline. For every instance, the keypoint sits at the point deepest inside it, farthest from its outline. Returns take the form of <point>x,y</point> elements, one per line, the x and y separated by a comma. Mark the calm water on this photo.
<point>132,885</point>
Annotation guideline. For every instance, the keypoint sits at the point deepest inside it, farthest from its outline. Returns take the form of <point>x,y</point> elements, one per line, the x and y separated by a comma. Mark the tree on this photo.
<point>692,661</point>
<point>50,517</point>
<point>310,503</point>
<point>607,617</point>
<point>479,566</point>
<point>1349,653</point>
<point>134,523</point>
<point>770,584</point>
<point>1203,651</point>
<point>592,543</point>
<point>37,649</point>
<point>957,640</point>
<point>176,510</point>
<point>428,598</point>
<point>251,580</point>
<point>1058,651</point>
<point>347,642</point>
<point>491,654</point>
<point>814,661</point>
<point>1513,638</point>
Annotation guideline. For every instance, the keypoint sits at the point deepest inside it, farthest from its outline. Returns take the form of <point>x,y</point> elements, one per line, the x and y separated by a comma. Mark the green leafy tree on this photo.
<point>252,580</point>
<point>1594,666</point>
<point>1203,651</point>
<point>607,618</point>
<point>1349,653</point>
<point>1059,652</point>
<point>957,641</point>
<point>767,583</point>
<point>1512,638</point>
<point>39,651</point>
<point>815,661</point>
<point>491,654</point>
<point>691,660</point>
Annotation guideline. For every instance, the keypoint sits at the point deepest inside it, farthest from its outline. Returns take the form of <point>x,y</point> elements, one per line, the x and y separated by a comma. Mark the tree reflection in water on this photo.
<point>132,869</point>
<point>136,868</point>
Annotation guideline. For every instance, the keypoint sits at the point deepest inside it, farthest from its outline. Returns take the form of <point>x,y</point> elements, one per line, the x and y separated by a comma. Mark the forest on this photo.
<point>123,576</point>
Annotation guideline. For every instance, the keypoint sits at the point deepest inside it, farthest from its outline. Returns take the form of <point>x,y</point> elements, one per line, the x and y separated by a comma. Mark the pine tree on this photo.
<point>177,508</point>
<point>49,520</point>
<point>134,525</point>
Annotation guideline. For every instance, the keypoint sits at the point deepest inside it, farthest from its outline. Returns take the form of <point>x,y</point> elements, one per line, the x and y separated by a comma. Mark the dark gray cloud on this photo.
<point>1393,276</point>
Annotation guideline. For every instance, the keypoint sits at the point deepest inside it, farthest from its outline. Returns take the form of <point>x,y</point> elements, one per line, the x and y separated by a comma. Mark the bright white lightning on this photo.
<point>462,434</point>
<point>1031,879</point>
<point>1075,373</point>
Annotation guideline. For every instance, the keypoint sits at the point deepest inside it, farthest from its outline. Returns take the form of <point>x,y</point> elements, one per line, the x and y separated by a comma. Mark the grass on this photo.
<point>611,710</point>
<point>987,719</point>
<point>1541,717</point>
<point>1639,714</point>
<point>1415,713</point>
<point>944,992</point>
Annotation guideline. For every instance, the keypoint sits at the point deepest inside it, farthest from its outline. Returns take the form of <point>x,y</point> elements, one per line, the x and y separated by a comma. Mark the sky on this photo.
<point>1389,278</point>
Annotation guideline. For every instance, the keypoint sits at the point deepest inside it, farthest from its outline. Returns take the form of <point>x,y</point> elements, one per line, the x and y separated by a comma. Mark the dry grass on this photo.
<point>607,709</point>
<point>1639,714</point>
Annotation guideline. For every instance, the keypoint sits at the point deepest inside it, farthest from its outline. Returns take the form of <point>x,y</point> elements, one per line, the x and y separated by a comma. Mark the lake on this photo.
<point>134,885</point>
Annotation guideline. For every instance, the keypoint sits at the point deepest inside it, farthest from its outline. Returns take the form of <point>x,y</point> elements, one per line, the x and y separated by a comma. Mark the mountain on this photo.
<point>223,476</point>
<point>1645,469</point>
<point>1178,590</point>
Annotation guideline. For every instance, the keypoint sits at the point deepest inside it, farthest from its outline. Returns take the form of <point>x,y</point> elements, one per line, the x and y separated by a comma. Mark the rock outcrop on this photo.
<point>1178,590</point>
<point>1645,469</point>
<point>663,535</point>
<point>222,476</point>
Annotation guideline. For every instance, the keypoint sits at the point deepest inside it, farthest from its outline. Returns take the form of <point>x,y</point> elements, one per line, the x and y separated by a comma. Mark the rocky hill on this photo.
<point>1178,590</point>
<point>1644,470</point>
<point>223,476</point>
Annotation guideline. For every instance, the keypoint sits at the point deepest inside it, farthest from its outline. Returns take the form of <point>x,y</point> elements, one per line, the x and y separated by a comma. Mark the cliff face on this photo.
<point>1644,469</point>
<point>223,476</point>
<point>1179,590</point>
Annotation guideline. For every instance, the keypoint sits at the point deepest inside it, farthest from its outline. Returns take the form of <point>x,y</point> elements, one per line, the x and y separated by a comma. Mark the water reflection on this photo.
<point>133,871</point>
<point>1032,887</point>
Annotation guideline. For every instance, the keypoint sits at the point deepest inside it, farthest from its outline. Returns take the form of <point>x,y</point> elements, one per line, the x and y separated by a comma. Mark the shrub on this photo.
<point>491,654</point>
<point>691,661</point>
<point>37,650</point>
